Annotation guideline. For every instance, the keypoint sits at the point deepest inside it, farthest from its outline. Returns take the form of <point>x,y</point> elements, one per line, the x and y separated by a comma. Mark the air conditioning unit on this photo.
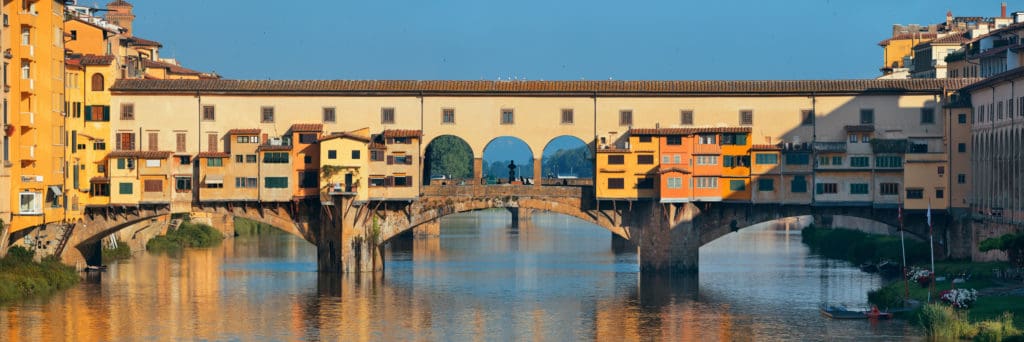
<point>275,141</point>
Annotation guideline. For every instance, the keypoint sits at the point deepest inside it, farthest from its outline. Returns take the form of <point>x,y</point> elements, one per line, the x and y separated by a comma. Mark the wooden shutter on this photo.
<point>408,160</point>
<point>181,142</point>
<point>153,185</point>
<point>106,113</point>
<point>154,139</point>
<point>211,144</point>
<point>391,160</point>
<point>408,180</point>
<point>389,180</point>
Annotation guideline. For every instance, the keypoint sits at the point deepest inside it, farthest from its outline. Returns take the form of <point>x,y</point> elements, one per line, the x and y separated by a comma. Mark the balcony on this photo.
<point>27,119</point>
<point>28,152</point>
<point>28,52</point>
<point>8,54</point>
<point>28,17</point>
<point>705,149</point>
<point>28,86</point>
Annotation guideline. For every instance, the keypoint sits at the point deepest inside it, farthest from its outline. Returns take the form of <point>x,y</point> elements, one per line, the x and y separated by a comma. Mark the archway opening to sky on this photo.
<point>506,157</point>
<point>567,157</point>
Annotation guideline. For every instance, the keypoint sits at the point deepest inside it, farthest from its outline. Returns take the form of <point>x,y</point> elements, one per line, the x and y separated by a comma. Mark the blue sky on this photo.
<point>536,39</point>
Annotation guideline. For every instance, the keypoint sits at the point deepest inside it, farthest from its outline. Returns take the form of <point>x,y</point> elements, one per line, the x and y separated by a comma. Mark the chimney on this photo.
<point>1002,11</point>
<point>265,141</point>
<point>949,20</point>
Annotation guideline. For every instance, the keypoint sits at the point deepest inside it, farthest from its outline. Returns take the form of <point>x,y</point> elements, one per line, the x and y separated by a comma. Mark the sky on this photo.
<point>536,39</point>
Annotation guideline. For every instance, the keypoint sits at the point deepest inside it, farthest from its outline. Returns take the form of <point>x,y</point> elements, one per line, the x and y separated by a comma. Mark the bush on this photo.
<point>121,252</point>
<point>21,277</point>
<point>997,330</point>
<point>858,247</point>
<point>886,297</point>
<point>941,321</point>
<point>187,235</point>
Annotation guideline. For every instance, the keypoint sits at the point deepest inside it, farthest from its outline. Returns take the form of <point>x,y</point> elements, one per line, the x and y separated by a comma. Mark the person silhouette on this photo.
<point>511,171</point>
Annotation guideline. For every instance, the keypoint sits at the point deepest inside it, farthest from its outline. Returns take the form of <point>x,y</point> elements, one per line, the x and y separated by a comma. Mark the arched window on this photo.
<point>97,82</point>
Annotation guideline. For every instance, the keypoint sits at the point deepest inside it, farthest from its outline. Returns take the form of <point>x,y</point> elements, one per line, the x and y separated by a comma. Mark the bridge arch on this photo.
<point>447,156</point>
<point>567,155</point>
<point>498,153</point>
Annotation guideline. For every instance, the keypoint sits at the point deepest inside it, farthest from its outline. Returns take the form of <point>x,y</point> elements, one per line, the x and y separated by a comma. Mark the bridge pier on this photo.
<point>622,245</point>
<point>669,239</point>
<point>348,238</point>
<point>427,230</point>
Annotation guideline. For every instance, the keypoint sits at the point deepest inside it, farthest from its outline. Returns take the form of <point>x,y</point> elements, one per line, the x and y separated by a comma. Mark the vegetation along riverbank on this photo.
<point>22,277</point>
<point>188,234</point>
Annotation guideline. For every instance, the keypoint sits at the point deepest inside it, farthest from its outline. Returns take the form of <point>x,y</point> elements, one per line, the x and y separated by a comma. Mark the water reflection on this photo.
<point>554,279</point>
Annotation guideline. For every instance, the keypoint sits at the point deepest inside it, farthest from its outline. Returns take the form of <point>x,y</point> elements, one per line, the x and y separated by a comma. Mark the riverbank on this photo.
<point>187,235</point>
<point>21,277</point>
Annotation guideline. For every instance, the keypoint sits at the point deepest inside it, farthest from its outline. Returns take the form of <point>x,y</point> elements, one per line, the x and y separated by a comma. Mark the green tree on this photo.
<point>1012,244</point>
<point>449,156</point>
<point>574,162</point>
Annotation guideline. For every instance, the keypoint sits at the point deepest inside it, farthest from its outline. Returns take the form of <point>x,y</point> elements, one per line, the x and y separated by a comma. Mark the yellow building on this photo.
<point>344,166</point>
<point>212,173</point>
<point>243,171</point>
<point>37,145</point>
<point>395,164</point>
<point>5,169</point>
<point>630,172</point>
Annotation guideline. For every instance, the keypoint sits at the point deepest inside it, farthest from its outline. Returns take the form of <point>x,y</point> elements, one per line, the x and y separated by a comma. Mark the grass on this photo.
<point>21,277</point>
<point>858,247</point>
<point>247,227</point>
<point>121,252</point>
<point>942,322</point>
<point>187,235</point>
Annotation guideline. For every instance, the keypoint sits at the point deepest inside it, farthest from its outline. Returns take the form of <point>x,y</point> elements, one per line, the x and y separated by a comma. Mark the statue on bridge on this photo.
<point>511,171</point>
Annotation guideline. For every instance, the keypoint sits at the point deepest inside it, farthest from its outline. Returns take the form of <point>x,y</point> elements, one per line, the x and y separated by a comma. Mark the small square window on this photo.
<point>267,114</point>
<point>567,116</point>
<point>686,117</point>
<point>209,113</point>
<point>329,114</point>
<point>355,154</point>
<point>507,117</point>
<point>625,118</point>
<point>387,115</point>
<point>746,117</point>
<point>332,154</point>
<point>867,116</point>
<point>448,116</point>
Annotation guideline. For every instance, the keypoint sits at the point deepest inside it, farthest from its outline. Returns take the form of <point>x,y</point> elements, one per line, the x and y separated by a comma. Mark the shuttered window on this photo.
<point>212,142</point>
<point>209,113</point>
<point>154,139</point>
<point>616,183</point>
<point>180,142</point>
<point>125,141</point>
<point>153,185</point>
<point>127,111</point>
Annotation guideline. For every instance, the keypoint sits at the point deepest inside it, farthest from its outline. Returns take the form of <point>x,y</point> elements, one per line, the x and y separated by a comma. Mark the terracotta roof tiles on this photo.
<point>402,133</point>
<point>171,68</point>
<point>142,42</point>
<point>959,38</point>
<point>209,154</point>
<point>347,136</point>
<point>307,127</point>
<point>245,131</point>
<point>96,60</point>
<point>765,147</point>
<point>140,154</point>
<point>688,130</point>
<point>578,88</point>
<point>908,36</point>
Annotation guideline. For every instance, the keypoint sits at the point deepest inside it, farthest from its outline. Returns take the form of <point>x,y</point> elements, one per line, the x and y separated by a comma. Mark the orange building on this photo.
<point>306,155</point>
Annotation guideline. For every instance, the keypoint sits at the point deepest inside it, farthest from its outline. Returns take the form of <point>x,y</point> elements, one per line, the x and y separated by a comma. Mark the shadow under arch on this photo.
<point>567,156</point>
<point>447,156</point>
<point>508,149</point>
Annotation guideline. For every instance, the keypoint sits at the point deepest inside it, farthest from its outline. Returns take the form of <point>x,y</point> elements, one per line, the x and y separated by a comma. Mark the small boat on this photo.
<point>841,312</point>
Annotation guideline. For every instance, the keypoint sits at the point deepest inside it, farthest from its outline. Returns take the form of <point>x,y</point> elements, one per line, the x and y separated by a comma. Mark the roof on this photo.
<point>687,130</point>
<point>96,60</point>
<point>274,148</point>
<point>765,147</point>
<point>908,36</point>
<point>142,42</point>
<point>247,131</point>
<point>210,154</point>
<point>550,88</point>
<point>140,154</point>
<point>119,3</point>
<point>995,79</point>
<point>672,169</point>
<point>958,38</point>
<point>73,18</point>
<point>171,68</point>
<point>307,127</point>
<point>376,146</point>
<point>346,136</point>
<point>402,133</point>
<point>859,128</point>
<point>613,150</point>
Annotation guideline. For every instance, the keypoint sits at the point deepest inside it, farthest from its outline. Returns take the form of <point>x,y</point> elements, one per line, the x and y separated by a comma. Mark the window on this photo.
<point>798,159</point>
<point>981,113</point>
<point>308,179</point>
<point>447,116</point>
<point>808,117</point>
<point>400,160</point>
<point>275,182</point>
<point>184,160</point>
<point>153,162</point>
<point>961,147</point>
<point>707,160</point>
<point>625,118</point>
<point>746,117</point>
<point>737,185</point>
<point>329,115</point>
<point>824,160</point>
<point>961,118</point>
<point>940,193</point>
<point>837,160</point>
<point>1009,108</point>
<point>674,140</point>
<point>889,189</point>
<point>154,141</point>
<point>209,114</point>
<point>867,116</point>
<point>766,158</point>
<point>402,181</point>
<point>735,161</point>
<point>125,188</point>
<point>180,142</point>
<point>400,140</point>
<point>214,162</point>
<point>153,185</point>
<point>211,142</point>
<point>853,138</point>
<point>827,188</point>
<point>376,181</point>
<point>686,117</point>
<point>644,138</point>
<point>707,182</point>
<point>99,145</point>
<point>376,155</point>
<point>387,116</point>
<point>125,163</point>
<point>307,138</point>
<point>865,138</point>
<point>941,170</point>
<point>267,114</point>
<point>332,154</point>
<point>26,70</point>
<point>127,111</point>
<point>706,139</point>
<point>250,158</point>
<point>645,183</point>
<point>927,115</point>
<point>915,193</point>
<point>355,154</point>
<point>567,117</point>
<point>860,161</point>
<point>100,189</point>
<point>308,159</point>
<point>645,159</point>
<point>765,184</point>
<point>616,160</point>
<point>734,139</point>
<point>798,184</point>
<point>674,183</point>
<point>97,82</point>
<point>888,161</point>
<point>961,179</point>
<point>97,113</point>
<point>999,110</point>
<point>30,203</point>
<point>678,159</point>
<point>859,189</point>
<point>507,117</point>
<point>616,183</point>
<point>239,158</point>
<point>245,182</point>
<point>182,184</point>
<point>275,157</point>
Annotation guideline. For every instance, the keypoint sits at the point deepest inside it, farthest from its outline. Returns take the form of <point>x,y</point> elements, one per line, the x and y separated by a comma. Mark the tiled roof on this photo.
<point>907,36</point>
<point>140,154</point>
<point>97,60</point>
<point>347,136</point>
<point>613,150</point>
<point>765,147</point>
<point>577,88</point>
<point>171,68</point>
<point>859,128</point>
<point>209,154</point>
<point>306,127</point>
<point>119,3</point>
<point>246,131</point>
<point>142,42</point>
<point>376,146</point>
<point>403,133</point>
<point>995,79</point>
<point>687,130</point>
<point>274,148</point>
<point>959,38</point>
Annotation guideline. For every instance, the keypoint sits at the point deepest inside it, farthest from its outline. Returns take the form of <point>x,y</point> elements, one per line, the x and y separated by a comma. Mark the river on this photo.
<point>555,279</point>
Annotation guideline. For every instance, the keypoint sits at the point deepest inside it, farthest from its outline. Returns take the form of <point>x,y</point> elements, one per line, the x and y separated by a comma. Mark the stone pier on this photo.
<point>427,230</point>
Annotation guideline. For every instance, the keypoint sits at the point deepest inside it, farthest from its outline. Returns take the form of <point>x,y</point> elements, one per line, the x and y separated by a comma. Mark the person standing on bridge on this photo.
<point>511,171</point>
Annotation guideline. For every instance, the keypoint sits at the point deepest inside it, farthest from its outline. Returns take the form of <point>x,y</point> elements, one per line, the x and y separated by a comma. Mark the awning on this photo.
<point>56,190</point>
<point>214,179</point>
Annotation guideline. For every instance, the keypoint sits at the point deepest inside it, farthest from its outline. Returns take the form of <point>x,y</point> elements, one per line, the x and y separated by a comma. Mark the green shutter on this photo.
<point>741,139</point>
<point>106,113</point>
<point>727,161</point>
<point>120,163</point>
<point>88,113</point>
<point>819,188</point>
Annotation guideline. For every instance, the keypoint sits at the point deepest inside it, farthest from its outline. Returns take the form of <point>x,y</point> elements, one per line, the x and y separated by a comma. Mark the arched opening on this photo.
<point>447,157</point>
<point>508,160</point>
<point>97,82</point>
<point>567,159</point>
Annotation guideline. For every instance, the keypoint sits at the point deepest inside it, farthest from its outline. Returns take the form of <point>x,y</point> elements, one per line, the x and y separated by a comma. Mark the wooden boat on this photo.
<point>840,312</point>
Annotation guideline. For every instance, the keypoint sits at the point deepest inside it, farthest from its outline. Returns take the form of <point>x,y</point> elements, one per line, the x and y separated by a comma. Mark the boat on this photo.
<point>841,312</point>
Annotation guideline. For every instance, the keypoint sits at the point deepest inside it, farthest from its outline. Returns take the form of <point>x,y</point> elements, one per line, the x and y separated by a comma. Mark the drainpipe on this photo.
<point>814,137</point>
<point>420,147</point>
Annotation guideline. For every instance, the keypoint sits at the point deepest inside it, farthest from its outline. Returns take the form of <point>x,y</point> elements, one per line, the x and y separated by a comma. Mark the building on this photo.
<point>395,165</point>
<point>630,172</point>
<point>5,169</point>
<point>305,151</point>
<point>243,169</point>
<point>344,165</point>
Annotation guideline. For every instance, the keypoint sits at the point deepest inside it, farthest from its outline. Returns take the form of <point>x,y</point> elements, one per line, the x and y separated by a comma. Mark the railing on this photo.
<point>501,190</point>
<point>707,149</point>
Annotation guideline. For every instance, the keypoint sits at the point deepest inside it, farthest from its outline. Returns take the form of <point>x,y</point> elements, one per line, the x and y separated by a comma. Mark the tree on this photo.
<point>449,156</point>
<point>573,161</point>
<point>1012,244</point>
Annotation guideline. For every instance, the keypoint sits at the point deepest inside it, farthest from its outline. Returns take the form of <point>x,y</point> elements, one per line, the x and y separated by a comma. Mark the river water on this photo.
<point>555,279</point>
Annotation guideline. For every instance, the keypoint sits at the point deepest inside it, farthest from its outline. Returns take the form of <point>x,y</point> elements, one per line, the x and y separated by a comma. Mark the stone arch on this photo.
<point>508,142</point>
<point>455,148</point>
<point>570,143</point>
